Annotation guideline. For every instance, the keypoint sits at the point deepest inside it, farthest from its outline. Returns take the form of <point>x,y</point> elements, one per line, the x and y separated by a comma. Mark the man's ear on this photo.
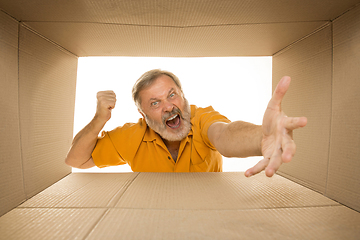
<point>142,114</point>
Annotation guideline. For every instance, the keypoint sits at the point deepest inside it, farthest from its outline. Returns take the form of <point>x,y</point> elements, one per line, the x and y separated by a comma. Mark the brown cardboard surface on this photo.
<point>198,41</point>
<point>309,64</point>
<point>287,223</point>
<point>326,92</point>
<point>36,140</point>
<point>229,190</point>
<point>44,223</point>
<point>344,166</point>
<point>175,28</point>
<point>179,206</point>
<point>11,177</point>
<point>83,190</point>
<point>47,77</point>
<point>59,191</point>
<point>177,13</point>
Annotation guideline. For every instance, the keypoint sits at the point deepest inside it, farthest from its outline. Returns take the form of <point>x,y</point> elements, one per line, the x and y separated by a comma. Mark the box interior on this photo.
<point>179,206</point>
<point>317,43</point>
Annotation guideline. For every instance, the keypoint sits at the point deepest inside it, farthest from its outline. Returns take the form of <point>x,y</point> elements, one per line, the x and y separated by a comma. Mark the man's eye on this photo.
<point>154,103</point>
<point>172,95</point>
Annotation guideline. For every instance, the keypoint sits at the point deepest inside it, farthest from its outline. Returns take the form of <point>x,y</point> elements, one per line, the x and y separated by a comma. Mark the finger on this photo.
<point>260,166</point>
<point>106,95</point>
<point>279,92</point>
<point>292,123</point>
<point>289,148</point>
<point>107,99</point>
<point>275,162</point>
<point>107,103</point>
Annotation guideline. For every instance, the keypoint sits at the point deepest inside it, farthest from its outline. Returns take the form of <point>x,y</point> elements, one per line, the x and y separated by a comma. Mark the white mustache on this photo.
<point>173,112</point>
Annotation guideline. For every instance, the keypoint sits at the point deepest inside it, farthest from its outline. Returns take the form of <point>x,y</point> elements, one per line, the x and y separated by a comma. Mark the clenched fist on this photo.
<point>105,103</point>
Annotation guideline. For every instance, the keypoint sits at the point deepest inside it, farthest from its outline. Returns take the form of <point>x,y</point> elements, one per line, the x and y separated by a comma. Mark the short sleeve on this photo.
<point>203,119</point>
<point>105,154</point>
<point>120,145</point>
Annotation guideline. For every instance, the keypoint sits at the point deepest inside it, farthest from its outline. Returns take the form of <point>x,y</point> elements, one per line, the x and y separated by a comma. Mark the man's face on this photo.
<point>165,109</point>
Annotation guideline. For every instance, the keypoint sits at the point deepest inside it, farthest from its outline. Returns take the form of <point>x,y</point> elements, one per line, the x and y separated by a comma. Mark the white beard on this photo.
<point>161,128</point>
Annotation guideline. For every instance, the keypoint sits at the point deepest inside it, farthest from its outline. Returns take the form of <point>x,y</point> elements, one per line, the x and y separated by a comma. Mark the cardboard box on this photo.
<point>179,206</point>
<point>325,82</point>
<point>317,43</point>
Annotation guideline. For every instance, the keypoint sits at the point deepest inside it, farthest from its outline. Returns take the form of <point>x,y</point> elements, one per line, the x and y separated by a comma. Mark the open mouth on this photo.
<point>173,122</point>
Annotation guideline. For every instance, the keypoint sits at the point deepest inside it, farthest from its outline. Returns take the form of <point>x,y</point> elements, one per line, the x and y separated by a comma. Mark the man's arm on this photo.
<point>273,140</point>
<point>79,155</point>
<point>236,139</point>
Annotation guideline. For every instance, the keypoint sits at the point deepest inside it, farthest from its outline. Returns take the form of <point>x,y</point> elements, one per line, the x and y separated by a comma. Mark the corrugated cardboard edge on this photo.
<point>342,178</point>
<point>21,168</point>
<point>12,190</point>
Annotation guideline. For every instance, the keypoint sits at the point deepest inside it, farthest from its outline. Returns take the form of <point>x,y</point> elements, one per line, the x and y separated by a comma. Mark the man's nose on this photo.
<point>168,106</point>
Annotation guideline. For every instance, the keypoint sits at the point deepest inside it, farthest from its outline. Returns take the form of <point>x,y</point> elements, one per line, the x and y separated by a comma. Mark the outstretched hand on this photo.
<point>277,145</point>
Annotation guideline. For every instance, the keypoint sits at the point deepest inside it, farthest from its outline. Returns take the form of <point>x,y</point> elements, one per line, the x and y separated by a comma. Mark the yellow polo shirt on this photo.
<point>143,149</point>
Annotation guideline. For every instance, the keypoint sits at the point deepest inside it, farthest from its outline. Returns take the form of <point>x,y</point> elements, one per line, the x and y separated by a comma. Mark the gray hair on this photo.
<point>147,79</point>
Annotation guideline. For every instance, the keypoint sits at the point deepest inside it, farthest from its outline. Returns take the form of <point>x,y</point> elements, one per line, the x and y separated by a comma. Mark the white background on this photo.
<point>237,87</point>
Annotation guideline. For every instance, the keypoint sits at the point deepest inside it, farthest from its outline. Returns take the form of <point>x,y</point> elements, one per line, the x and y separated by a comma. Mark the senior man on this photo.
<point>174,136</point>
